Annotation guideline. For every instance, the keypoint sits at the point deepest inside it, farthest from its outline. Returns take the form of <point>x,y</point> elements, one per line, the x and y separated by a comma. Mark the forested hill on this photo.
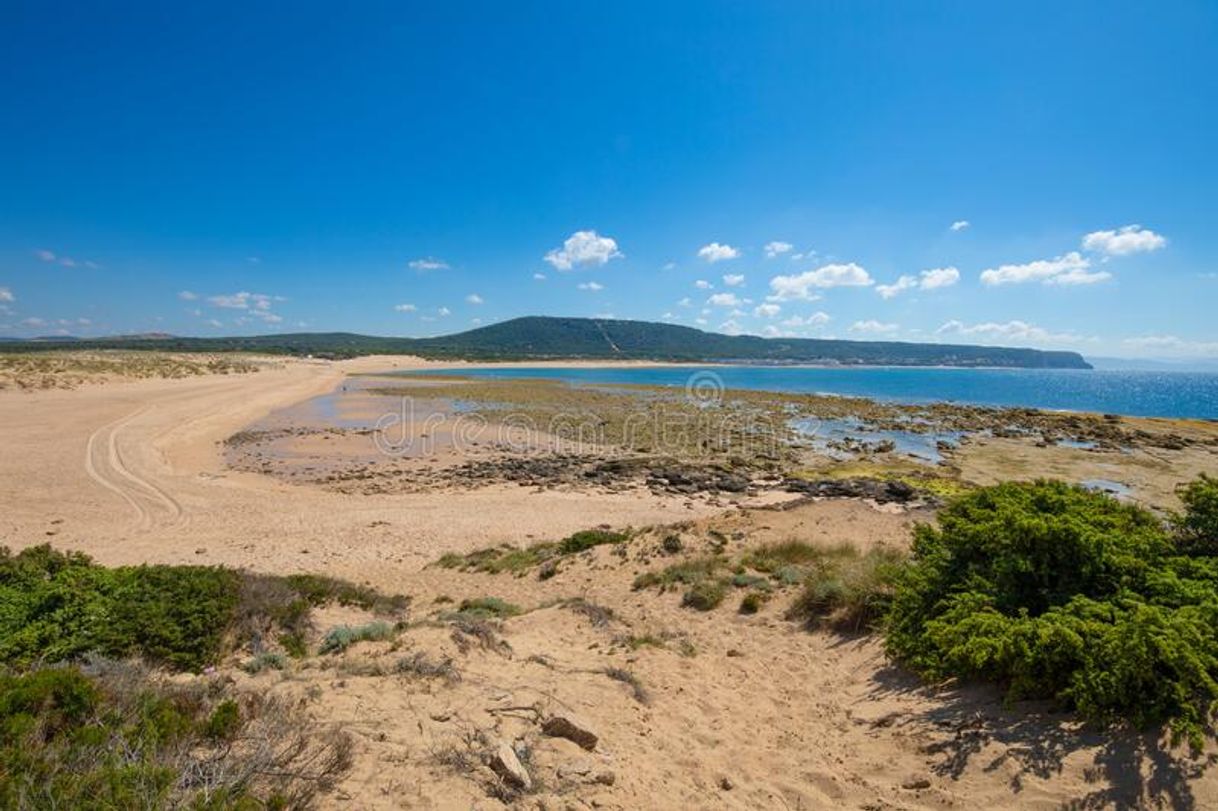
<point>537,337</point>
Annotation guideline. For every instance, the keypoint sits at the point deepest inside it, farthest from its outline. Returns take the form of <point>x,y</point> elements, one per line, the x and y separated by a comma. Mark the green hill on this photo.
<point>538,337</point>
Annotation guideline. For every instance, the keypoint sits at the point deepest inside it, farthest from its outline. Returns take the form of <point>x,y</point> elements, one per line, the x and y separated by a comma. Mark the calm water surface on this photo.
<point>1147,394</point>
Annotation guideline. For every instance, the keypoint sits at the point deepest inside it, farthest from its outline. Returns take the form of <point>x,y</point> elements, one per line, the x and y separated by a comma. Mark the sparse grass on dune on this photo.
<point>69,369</point>
<point>518,561</point>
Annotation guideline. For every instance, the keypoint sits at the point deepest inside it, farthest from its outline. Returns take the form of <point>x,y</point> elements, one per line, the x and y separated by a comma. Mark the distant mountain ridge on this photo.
<point>550,338</point>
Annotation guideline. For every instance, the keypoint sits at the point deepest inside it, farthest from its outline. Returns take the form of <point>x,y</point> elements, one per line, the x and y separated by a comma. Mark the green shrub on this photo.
<point>488,608</point>
<point>1058,592</point>
<point>1196,529</point>
<point>56,607</point>
<point>754,600</point>
<point>588,538</point>
<point>265,661</point>
<point>319,590</point>
<point>340,638</point>
<point>118,739</point>
<point>705,595</point>
<point>848,590</point>
<point>687,572</point>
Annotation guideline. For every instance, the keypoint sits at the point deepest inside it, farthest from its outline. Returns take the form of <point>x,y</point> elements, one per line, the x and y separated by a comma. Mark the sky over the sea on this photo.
<point>1031,174</point>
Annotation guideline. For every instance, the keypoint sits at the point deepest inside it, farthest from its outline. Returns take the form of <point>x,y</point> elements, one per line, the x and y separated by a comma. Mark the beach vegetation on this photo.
<point>1056,592</point>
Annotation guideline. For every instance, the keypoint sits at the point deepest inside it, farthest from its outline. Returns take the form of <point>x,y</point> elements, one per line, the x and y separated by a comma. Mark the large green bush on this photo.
<point>56,606</point>
<point>1058,592</point>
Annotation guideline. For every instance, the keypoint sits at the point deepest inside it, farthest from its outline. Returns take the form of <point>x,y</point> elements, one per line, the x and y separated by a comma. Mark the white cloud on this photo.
<point>6,295</point>
<point>724,300</point>
<point>936,278</point>
<point>766,310</point>
<point>1172,345</point>
<point>1126,240</point>
<point>873,326</point>
<point>733,279</point>
<point>257,305</point>
<point>405,308</point>
<point>187,295</point>
<point>1073,266</point>
<point>932,279</point>
<point>700,322</point>
<point>891,290</point>
<point>539,277</point>
<point>33,322</point>
<point>715,252</point>
<point>45,255</point>
<point>669,266</point>
<point>211,322</point>
<point>1077,276</point>
<point>428,263</point>
<point>473,298</point>
<point>685,302</point>
<point>776,248</point>
<point>443,311</point>
<point>591,286</point>
<point>730,327</point>
<point>801,285</point>
<point>703,284</point>
<point>583,248</point>
<point>67,262</point>
<point>960,225</point>
<point>817,319</point>
<point>475,321</point>
<point>1016,330</point>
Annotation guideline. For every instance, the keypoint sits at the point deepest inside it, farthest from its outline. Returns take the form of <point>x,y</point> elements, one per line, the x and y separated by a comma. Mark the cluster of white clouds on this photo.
<point>932,279</point>
<point>6,296</point>
<point>873,326</point>
<point>583,248</point>
<point>1008,331</point>
<point>427,263</point>
<point>803,286</point>
<point>65,261</point>
<point>591,287</point>
<point>777,248</point>
<point>1068,269</point>
<point>716,252</point>
<point>733,279</point>
<point>1073,268</point>
<point>1172,345</point>
<point>1126,240</point>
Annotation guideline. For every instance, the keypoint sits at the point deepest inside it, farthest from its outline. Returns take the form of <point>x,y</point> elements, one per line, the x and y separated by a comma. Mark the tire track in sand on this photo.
<point>104,464</point>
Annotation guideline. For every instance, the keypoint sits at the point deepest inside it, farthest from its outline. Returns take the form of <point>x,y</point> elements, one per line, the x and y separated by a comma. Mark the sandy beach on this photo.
<point>721,709</point>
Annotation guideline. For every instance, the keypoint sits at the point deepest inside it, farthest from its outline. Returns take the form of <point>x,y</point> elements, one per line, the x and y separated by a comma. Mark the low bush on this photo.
<point>687,572</point>
<point>339,638</point>
<point>753,602</point>
<point>705,595</point>
<point>57,606</point>
<point>1058,592</point>
<point>116,738</point>
<point>582,541</point>
<point>848,590</point>
<point>488,608</point>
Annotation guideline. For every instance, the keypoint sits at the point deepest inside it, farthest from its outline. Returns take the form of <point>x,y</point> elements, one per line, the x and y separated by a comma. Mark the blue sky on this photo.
<point>406,169</point>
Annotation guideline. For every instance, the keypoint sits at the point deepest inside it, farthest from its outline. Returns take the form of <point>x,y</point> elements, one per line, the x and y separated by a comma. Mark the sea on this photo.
<point>1132,393</point>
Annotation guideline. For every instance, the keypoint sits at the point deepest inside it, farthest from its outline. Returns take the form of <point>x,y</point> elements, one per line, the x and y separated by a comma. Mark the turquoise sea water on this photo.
<point>1147,394</point>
